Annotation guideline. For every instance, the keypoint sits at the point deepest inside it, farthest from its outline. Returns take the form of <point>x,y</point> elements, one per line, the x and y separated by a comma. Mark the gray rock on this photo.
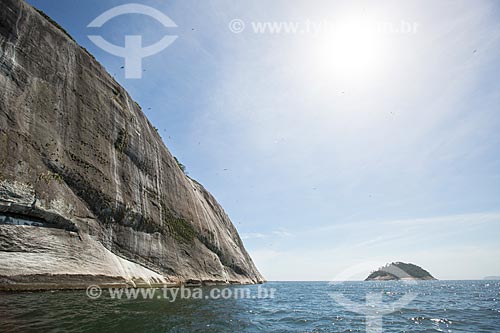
<point>78,154</point>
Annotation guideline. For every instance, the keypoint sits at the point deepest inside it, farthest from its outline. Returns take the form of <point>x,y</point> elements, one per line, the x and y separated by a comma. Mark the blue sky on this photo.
<point>333,149</point>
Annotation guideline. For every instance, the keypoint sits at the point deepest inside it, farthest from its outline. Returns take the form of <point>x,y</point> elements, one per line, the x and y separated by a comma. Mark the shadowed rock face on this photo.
<point>78,156</point>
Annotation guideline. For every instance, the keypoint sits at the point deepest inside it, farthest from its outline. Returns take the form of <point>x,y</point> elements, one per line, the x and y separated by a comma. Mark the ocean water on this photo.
<point>435,306</point>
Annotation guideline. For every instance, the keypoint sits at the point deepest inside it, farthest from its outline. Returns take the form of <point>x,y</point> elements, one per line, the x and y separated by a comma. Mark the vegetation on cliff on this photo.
<point>400,270</point>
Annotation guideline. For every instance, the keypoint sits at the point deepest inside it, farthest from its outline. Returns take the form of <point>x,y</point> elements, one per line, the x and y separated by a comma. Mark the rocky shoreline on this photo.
<point>47,282</point>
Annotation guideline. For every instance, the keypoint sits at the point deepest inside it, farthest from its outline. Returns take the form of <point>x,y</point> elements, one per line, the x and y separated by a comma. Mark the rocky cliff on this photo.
<point>88,191</point>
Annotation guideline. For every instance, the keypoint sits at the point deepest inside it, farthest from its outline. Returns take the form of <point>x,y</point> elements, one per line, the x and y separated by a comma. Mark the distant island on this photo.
<point>400,271</point>
<point>492,278</point>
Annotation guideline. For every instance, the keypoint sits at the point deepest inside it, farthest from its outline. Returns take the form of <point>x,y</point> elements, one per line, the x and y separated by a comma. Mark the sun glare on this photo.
<point>350,49</point>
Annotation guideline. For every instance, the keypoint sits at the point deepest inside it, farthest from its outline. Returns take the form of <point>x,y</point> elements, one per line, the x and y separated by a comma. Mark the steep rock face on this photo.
<point>78,158</point>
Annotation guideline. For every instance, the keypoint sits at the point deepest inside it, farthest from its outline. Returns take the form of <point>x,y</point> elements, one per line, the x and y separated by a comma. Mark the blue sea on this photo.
<point>428,306</point>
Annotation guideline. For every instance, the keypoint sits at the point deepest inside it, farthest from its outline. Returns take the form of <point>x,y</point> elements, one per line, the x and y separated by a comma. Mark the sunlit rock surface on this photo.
<point>79,159</point>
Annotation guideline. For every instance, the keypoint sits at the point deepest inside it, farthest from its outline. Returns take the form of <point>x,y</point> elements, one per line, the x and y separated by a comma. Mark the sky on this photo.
<point>359,135</point>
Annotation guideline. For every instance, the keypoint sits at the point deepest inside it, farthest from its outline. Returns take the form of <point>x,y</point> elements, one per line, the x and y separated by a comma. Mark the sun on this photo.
<point>350,49</point>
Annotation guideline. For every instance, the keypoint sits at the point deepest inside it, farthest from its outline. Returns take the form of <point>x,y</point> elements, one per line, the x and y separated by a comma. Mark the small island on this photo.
<point>400,271</point>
